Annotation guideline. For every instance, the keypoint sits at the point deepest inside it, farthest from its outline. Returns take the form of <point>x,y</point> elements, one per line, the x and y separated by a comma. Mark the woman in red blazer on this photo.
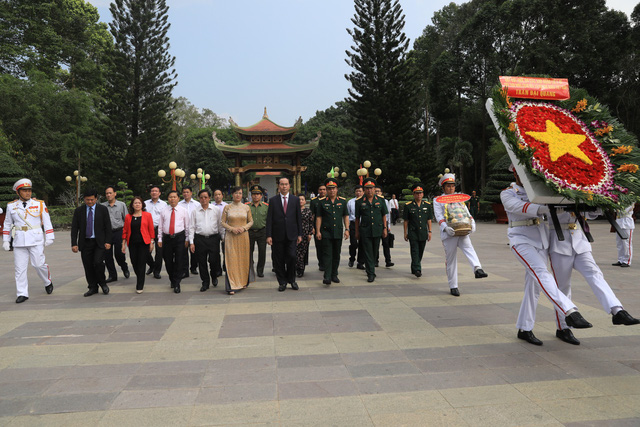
<point>138,234</point>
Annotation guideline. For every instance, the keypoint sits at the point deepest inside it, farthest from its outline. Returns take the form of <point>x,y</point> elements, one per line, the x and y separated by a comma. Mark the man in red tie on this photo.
<point>173,238</point>
<point>284,232</point>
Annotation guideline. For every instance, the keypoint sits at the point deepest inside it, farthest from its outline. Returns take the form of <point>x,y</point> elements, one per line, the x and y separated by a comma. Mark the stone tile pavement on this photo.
<point>399,351</point>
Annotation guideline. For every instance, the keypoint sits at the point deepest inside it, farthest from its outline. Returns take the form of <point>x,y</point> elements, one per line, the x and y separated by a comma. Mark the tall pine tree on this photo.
<point>383,96</point>
<point>140,84</point>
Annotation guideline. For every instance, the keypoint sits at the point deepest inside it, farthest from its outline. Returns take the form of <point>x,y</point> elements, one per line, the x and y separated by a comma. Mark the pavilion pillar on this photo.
<point>299,181</point>
<point>238,180</point>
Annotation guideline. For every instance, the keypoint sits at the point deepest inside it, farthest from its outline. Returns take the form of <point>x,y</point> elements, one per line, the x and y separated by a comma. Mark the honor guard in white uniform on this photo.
<point>451,242</point>
<point>574,252</point>
<point>529,241</point>
<point>28,222</point>
<point>625,246</point>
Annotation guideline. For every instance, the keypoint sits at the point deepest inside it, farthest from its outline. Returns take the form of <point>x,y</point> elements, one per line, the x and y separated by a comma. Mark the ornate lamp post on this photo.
<point>364,171</point>
<point>78,179</point>
<point>201,178</point>
<point>176,175</point>
<point>337,173</point>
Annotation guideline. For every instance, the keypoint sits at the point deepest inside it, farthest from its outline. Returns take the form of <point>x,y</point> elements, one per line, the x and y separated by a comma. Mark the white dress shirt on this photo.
<point>155,209</point>
<point>181,222</point>
<point>205,222</point>
<point>190,207</point>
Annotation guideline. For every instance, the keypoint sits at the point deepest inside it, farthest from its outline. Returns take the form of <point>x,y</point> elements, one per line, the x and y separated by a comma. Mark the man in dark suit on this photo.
<point>284,232</point>
<point>90,234</point>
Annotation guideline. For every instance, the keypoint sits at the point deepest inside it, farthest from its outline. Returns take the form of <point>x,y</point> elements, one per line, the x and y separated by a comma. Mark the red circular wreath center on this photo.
<point>567,167</point>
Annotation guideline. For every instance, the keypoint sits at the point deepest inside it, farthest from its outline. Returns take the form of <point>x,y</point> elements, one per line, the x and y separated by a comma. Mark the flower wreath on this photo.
<point>595,164</point>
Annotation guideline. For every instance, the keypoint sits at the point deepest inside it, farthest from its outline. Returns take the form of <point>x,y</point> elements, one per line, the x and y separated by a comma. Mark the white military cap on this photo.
<point>22,183</point>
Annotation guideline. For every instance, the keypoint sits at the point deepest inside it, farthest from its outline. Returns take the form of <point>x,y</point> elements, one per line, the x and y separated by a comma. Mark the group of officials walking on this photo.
<point>187,237</point>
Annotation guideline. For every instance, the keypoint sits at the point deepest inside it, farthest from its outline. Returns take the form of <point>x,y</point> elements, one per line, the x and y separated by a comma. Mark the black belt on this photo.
<point>207,237</point>
<point>171,236</point>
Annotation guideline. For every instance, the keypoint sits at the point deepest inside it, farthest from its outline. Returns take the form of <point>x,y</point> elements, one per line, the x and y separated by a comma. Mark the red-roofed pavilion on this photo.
<point>267,147</point>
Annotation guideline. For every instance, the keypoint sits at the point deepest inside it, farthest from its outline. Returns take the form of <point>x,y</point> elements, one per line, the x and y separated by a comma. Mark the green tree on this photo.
<point>383,96</point>
<point>139,84</point>
<point>457,154</point>
<point>10,172</point>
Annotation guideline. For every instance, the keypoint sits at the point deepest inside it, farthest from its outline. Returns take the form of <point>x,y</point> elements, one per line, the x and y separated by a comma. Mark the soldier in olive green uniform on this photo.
<point>417,227</point>
<point>257,232</point>
<point>332,225</point>
<point>322,192</point>
<point>371,225</point>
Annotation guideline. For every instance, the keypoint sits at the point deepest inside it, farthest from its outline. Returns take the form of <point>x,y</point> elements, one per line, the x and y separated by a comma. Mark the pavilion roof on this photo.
<point>265,127</point>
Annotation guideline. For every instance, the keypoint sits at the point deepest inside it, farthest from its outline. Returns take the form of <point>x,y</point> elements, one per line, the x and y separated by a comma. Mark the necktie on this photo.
<point>285,204</point>
<point>172,222</point>
<point>89,230</point>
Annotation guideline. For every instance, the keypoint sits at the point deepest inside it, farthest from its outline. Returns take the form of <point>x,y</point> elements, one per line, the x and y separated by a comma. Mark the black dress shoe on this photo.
<point>479,273</point>
<point>281,288</point>
<point>260,274</point>
<point>294,286</point>
<point>371,278</point>
<point>90,292</point>
<point>157,276</point>
<point>624,318</point>
<point>111,279</point>
<point>389,264</point>
<point>617,264</point>
<point>326,282</point>
<point>576,320</point>
<point>350,263</point>
<point>204,288</point>
<point>177,289</point>
<point>105,289</point>
<point>335,279</point>
<point>529,337</point>
<point>49,288</point>
<point>623,265</point>
<point>215,282</point>
<point>149,271</point>
<point>360,267</point>
<point>418,273</point>
<point>126,273</point>
<point>455,292</point>
<point>567,336</point>
<point>194,271</point>
<point>21,299</point>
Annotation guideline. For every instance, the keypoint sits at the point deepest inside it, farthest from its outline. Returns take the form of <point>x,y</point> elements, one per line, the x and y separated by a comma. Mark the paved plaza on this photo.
<point>398,351</point>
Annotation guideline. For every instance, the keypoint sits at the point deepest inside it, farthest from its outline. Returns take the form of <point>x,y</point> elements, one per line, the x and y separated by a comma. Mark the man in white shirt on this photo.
<point>220,204</point>
<point>190,205</point>
<point>393,204</point>
<point>354,244</point>
<point>172,236</point>
<point>117,213</point>
<point>205,232</point>
<point>155,206</point>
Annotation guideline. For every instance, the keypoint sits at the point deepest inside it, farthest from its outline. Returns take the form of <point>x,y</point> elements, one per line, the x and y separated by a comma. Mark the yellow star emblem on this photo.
<point>561,143</point>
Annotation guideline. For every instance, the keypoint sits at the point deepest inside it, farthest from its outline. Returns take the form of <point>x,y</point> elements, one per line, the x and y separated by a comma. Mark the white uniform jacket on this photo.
<point>28,225</point>
<point>574,237</point>
<point>439,210</point>
<point>625,218</point>
<point>521,212</point>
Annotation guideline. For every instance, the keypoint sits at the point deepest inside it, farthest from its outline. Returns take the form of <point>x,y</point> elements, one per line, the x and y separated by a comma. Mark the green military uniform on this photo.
<point>473,205</point>
<point>370,216</point>
<point>258,232</point>
<point>417,217</point>
<point>314,208</point>
<point>332,216</point>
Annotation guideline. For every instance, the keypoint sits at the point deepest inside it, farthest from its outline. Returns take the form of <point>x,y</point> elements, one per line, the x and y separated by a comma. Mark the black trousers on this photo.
<point>190,261</point>
<point>156,263</point>
<point>394,216</point>
<point>138,253</point>
<point>93,262</point>
<point>115,252</point>
<point>173,254</point>
<point>283,257</point>
<point>207,250</point>
<point>259,237</point>
<point>355,247</point>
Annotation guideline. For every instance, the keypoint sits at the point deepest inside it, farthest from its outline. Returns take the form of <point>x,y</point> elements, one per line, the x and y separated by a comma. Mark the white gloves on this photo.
<point>6,246</point>
<point>450,231</point>
<point>48,242</point>
<point>543,210</point>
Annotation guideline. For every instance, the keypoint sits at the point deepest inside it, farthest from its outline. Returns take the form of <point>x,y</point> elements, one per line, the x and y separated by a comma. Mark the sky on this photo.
<point>236,57</point>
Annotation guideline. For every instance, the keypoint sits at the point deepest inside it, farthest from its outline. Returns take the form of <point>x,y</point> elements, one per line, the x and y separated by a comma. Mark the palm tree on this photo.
<point>456,154</point>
